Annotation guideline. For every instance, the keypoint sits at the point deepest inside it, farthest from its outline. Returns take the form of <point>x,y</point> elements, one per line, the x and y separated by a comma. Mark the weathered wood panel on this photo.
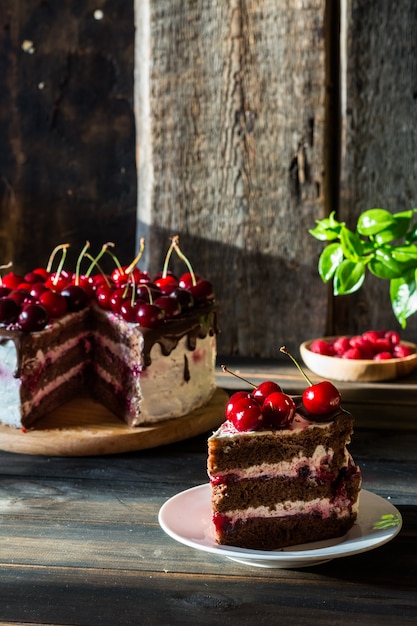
<point>379,149</point>
<point>230,101</point>
<point>67,163</point>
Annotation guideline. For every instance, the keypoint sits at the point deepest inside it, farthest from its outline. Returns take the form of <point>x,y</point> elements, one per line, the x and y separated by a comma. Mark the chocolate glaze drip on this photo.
<point>196,325</point>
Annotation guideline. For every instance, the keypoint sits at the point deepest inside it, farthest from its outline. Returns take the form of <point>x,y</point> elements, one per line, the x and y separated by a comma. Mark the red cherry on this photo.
<point>87,283</point>
<point>246,415</point>
<point>401,351</point>
<point>36,289</point>
<point>383,356</point>
<point>148,291</point>
<point>58,282</point>
<point>184,297</point>
<point>34,277</point>
<point>341,344</point>
<point>103,295</point>
<point>12,280</point>
<point>33,318</point>
<point>371,335</point>
<point>41,271</point>
<point>393,337</point>
<point>55,303</point>
<point>4,291</point>
<point>118,296</point>
<point>352,353</point>
<point>149,315</point>
<point>234,398</point>
<point>77,297</point>
<point>263,390</point>
<point>171,306</point>
<point>202,291</point>
<point>320,346</point>
<point>167,284</point>
<point>186,280</point>
<point>20,296</point>
<point>321,398</point>
<point>278,410</point>
<point>129,310</point>
<point>121,277</point>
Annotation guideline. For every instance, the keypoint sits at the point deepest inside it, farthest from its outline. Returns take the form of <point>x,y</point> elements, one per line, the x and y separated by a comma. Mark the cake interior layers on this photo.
<point>137,373</point>
<point>272,489</point>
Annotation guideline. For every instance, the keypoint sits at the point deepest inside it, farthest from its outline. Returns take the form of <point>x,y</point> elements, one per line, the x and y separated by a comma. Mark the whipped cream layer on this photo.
<point>325,507</point>
<point>9,385</point>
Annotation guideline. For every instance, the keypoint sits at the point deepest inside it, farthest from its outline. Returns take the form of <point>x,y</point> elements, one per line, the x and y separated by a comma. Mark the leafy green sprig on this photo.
<point>384,244</point>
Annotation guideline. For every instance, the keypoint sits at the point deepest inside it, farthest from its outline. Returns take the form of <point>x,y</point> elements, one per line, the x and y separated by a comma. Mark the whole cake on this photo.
<point>280,474</point>
<point>144,348</point>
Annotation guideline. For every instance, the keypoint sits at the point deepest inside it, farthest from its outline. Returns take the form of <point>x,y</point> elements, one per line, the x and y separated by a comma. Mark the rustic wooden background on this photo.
<point>231,124</point>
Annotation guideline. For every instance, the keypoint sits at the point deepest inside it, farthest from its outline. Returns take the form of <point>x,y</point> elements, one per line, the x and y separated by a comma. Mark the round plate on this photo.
<point>187,518</point>
<point>357,370</point>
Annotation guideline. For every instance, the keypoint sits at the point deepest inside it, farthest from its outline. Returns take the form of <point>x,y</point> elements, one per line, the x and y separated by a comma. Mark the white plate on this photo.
<point>186,518</point>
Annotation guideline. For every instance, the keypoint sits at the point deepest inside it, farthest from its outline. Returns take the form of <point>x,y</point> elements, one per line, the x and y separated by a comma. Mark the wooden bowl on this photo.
<point>363,370</point>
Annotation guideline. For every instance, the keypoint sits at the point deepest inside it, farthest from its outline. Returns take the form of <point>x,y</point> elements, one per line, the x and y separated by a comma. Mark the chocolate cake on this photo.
<point>278,487</point>
<point>144,348</point>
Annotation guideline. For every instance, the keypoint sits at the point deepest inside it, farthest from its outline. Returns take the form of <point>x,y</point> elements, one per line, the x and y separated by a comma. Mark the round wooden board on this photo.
<point>85,428</point>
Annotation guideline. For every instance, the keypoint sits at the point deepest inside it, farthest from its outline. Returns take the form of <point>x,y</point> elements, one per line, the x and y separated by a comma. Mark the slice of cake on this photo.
<point>282,484</point>
<point>144,348</point>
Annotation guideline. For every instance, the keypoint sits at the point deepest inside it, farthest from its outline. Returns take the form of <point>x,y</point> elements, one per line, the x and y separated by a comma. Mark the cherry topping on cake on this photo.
<point>77,297</point>
<point>246,414</point>
<point>321,398</point>
<point>54,303</point>
<point>33,318</point>
<point>278,410</point>
<point>265,407</point>
<point>263,390</point>
<point>149,315</point>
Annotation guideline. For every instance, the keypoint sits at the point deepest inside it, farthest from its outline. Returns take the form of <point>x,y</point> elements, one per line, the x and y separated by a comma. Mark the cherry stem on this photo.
<point>63,247</point>
<point>149,293</point>
<point>285,351</point>
<point>113,256</point>
<point>183,258</point>
<point>94,263</point>
<point>225,369</point>
<point>78,265</point>
<point>174,241</point>
<point>137,258</point>
<point>5,267</point>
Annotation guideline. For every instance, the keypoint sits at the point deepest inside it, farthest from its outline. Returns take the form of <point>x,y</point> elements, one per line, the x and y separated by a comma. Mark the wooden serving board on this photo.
<point>85,428</point>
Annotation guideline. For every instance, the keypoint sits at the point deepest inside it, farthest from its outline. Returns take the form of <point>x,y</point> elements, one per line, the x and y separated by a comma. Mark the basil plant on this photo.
<point>384,243</point>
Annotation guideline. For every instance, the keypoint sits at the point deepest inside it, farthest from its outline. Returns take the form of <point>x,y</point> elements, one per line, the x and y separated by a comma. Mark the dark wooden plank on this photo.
<point>231,122</point>
<point>67,129</point>
<point>379,137</point>
<point>354,594</point>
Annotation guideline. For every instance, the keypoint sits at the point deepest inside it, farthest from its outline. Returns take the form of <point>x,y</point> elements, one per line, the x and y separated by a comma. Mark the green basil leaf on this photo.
<point>348,277</point>
<point>397,229</point>
<point>329,260</point>
<point>374,221</point>
<point>405,254</point>
<point>327,229</point>
<point>351,245</point>
<point>384,266</point>
<point>403,294</point>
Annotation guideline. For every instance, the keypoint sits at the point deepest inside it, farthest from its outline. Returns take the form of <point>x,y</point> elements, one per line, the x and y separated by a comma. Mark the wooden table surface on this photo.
<point>80,541</point>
